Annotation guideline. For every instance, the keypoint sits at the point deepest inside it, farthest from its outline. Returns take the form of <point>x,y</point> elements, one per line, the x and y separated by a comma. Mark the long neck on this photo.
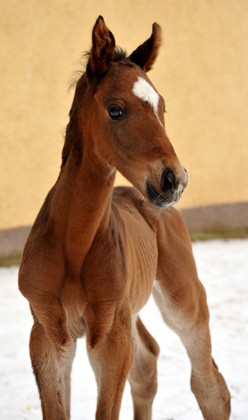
<point>81,203</point>
<point>81,206</point>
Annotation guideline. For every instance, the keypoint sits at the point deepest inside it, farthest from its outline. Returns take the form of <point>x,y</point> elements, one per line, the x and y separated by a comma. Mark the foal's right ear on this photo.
<point>103,45</point>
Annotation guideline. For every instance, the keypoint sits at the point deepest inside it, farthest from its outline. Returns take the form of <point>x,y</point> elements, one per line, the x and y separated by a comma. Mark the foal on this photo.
<point>95,253</point>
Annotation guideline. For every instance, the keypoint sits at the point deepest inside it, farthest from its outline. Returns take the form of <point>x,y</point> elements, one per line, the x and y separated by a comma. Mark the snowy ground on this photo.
<point>223,268</point>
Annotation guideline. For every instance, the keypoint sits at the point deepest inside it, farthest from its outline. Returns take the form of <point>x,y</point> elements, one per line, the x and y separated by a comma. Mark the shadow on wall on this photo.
<point>207,222</point>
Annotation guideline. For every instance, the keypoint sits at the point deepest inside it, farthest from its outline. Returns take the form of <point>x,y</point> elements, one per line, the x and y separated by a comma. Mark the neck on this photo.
<point>82,204</point>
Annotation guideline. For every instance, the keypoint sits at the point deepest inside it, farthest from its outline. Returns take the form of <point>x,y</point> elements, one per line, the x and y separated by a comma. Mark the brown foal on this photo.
<point>96,253</point>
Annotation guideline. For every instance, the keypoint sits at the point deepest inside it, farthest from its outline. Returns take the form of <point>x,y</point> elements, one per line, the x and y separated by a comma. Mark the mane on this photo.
<point>119,54</point>
<point>73,139</point>
<point>72,136</point>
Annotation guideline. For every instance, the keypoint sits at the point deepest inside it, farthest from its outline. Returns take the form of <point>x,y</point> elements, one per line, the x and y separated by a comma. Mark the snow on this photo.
<point>223,269</point>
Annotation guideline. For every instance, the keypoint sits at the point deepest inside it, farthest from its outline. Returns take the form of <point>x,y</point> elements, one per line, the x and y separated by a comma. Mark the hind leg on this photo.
<point>143,375</point>
<point>52,362</point>
<point>181,299</point>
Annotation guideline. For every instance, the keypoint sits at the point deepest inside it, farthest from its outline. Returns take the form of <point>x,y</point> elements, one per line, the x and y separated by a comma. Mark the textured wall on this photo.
<point>201,72</point>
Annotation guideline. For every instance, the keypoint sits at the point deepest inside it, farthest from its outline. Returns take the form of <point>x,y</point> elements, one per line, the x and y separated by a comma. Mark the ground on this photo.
<point>223,269</point>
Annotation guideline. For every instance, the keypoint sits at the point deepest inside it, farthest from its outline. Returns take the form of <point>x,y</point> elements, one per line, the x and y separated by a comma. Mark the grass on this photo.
<point>219,234</point>
<point>9,260</point>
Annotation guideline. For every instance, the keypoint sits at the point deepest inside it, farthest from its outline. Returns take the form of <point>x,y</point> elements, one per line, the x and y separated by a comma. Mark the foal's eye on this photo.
<point>115,112</point>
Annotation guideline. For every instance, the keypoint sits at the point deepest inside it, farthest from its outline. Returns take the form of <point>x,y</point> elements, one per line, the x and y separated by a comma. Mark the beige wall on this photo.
<point>201,72</point>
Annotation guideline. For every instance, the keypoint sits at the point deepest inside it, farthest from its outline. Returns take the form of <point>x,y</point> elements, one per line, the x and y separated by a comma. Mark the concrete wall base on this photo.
<point>224,220</point>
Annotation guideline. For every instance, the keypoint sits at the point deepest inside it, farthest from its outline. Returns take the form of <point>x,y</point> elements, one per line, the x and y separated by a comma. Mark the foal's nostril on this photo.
<point>168,180</point>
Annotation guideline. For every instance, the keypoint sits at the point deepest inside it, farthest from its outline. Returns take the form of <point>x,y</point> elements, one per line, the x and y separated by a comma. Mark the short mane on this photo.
<point>119,54</point>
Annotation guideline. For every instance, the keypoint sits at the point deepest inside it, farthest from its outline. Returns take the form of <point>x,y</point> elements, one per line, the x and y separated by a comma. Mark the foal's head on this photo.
<point>122,117</point>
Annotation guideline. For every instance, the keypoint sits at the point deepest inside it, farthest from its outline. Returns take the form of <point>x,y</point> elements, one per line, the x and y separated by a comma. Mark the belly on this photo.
<point>141,253</point>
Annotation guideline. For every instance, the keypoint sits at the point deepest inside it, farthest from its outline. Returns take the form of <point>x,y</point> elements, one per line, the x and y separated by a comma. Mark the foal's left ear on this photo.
<point>103,45</point>
<point>145,55</point>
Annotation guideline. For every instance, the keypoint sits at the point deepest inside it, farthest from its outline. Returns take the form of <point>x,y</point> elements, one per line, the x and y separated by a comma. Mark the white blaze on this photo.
<point>143,90</point>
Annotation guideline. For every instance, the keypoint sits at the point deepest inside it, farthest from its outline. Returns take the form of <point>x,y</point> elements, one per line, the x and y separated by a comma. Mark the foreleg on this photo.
<point>52,363</point>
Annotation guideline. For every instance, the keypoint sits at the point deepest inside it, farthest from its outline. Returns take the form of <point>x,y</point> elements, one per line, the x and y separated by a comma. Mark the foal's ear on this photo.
<point>103,45</point>
<point>145,55</point>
